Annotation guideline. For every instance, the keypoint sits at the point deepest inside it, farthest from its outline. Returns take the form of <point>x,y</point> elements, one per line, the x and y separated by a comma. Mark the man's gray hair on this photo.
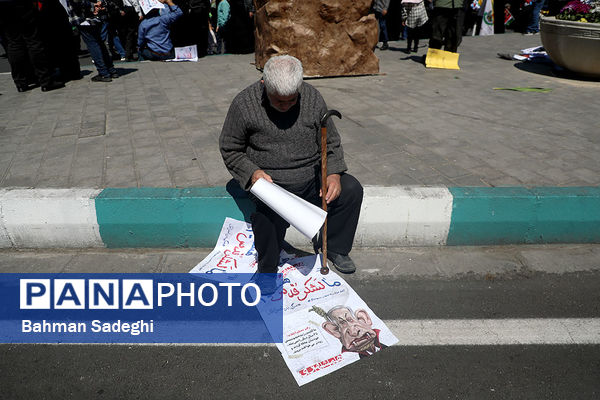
<point>283,75</point>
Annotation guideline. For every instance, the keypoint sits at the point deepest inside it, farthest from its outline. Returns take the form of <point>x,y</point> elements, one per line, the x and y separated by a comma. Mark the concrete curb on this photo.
<point>390,216</point>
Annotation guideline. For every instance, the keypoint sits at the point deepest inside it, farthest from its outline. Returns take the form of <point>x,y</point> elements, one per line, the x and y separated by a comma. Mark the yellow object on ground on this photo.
<point>441,59</point>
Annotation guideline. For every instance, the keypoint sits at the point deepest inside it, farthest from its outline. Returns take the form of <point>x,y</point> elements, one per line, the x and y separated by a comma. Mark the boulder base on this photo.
<point>330,37</point>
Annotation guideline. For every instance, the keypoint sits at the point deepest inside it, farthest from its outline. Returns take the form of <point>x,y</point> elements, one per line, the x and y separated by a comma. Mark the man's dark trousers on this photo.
<point>24,44</point>
<point>342,219</point>
<point>447,28</point>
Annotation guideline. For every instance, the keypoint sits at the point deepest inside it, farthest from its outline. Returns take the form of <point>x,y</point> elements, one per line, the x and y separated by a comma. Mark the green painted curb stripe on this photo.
<point>162,217</point>
<point>516,215</point>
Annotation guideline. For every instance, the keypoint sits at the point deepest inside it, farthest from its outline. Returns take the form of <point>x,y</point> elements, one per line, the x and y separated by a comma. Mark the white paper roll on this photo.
<point>301,214</point>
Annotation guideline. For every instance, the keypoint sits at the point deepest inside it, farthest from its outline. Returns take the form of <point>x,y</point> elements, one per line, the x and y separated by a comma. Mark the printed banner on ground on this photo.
<point>326,325</point>
<point>135,308</point>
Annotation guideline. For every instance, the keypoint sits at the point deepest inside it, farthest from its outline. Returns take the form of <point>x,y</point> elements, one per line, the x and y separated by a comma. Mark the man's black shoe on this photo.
<point>266,282</point>
<point>100,78</point>
<point>342,263</point>
<point>52,86</point>
<point>22,88</point>
<point>385,46</point>
<point>114,75</point>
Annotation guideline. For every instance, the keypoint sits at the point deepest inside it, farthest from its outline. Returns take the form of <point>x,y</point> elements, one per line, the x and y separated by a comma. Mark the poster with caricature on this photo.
<point>326,325</point>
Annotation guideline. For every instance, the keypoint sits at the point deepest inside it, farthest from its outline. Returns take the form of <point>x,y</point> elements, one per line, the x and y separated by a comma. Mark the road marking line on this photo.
<point>469,332</point>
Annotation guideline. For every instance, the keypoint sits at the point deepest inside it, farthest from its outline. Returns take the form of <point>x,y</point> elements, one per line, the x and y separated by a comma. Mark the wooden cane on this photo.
<point>324,267</point>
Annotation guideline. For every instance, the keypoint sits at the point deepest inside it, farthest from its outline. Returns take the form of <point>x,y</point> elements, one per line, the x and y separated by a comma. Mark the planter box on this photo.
<point>572,45</point>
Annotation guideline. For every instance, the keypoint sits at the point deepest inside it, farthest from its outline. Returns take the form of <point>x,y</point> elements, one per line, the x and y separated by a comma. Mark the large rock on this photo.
<point>330,37</point>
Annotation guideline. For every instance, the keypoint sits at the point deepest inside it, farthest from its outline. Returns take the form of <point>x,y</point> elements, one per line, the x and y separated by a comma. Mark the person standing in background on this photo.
<point>223,15</point>
<point>414,16</point>
<point>380,7</point>
<point>447,26</point>
<point>19,20</point>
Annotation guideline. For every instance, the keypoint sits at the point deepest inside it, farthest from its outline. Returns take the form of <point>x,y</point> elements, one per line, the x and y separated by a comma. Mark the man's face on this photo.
<point>354,333</point>
<point>282,103</point>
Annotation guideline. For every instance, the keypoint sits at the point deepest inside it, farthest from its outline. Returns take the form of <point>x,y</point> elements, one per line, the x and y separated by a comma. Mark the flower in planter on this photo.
<point>581,11</point>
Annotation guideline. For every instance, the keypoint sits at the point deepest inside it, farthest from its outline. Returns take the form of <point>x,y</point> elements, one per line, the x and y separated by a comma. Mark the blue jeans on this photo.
<point>147,54</point>
<point>98,52</point>
<point>534,22</point>
<point>109,33</point>
<point>382,26</point>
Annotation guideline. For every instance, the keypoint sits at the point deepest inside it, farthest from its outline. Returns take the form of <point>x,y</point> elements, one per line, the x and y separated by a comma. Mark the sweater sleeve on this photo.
<point>233,143</point>
<point>171,15</point>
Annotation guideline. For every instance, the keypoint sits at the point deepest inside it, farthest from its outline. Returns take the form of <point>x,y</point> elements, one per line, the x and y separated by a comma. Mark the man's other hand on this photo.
<point>334,188</point>
<point>259,173</point>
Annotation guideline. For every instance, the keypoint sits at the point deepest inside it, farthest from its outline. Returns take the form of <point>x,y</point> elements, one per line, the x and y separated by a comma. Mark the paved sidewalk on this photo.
<point>158,125</point>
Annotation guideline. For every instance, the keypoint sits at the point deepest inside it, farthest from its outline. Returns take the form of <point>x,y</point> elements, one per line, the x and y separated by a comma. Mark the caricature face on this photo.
<point>354,333</point>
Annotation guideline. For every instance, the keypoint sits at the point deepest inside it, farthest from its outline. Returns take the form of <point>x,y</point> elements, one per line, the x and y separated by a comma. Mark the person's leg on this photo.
<point>130,27</point>
<point>534,21</point>
<point>269,232</point>
<point>116,41</point>
<point>93,41</point>
<point>145,54</point>
<point>25,44</point>
<point>343,214</point>
<point>409,39</point>
<point>455,25</point>
<point>382,30</point>
<point>16,49</point>
<point>438,26</point>
<point>416,34</point>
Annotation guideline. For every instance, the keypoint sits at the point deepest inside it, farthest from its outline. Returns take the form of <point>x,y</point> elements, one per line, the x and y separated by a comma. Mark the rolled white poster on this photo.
<point>301,214</point>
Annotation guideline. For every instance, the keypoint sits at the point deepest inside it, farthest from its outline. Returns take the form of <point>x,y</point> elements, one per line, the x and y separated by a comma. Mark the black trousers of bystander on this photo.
<point>24,44</point>
<point>447,24</point>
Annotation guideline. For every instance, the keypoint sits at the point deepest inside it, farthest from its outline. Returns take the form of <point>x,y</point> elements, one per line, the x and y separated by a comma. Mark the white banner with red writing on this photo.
<point>326,325</point>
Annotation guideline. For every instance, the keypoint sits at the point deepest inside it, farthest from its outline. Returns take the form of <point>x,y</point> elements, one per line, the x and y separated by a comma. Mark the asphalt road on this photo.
<point>487,290</point>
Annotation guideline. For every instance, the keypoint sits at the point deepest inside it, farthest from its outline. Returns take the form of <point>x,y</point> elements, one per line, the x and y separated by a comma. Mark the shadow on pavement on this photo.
<point>419,59</point>
<point>239,195</point>
<point>125,71</point>
<point>551,69</point>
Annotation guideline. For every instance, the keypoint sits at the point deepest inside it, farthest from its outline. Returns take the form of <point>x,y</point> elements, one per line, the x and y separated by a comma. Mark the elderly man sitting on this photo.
<point>272,131</point>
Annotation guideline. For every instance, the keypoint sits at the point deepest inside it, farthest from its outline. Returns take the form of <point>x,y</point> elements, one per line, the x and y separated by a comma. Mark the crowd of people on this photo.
<point>43,38</point>
<point>445,22</point>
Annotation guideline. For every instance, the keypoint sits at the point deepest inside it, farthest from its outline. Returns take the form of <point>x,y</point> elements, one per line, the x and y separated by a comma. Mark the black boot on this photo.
<point>52,85</point>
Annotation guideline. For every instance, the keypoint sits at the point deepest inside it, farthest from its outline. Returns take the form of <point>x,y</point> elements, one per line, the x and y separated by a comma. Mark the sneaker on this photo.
<point>100,78</point>
<point>341,262</point>
<point>385,46</point>
<point>114,75</point>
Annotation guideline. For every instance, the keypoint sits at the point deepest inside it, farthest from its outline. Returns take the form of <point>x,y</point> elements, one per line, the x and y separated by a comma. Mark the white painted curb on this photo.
<point>66,218</point>
<point>48,218</point>
<point>399,216</point>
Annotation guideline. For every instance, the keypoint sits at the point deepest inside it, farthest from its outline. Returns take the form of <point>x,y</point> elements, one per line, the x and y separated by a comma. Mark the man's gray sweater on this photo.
<point>285,145</point>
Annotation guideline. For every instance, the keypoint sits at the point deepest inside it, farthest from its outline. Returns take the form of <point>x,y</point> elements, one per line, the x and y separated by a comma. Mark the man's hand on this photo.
<point>384,12</point>
<point>334,188</point>
<point>259,173</point>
